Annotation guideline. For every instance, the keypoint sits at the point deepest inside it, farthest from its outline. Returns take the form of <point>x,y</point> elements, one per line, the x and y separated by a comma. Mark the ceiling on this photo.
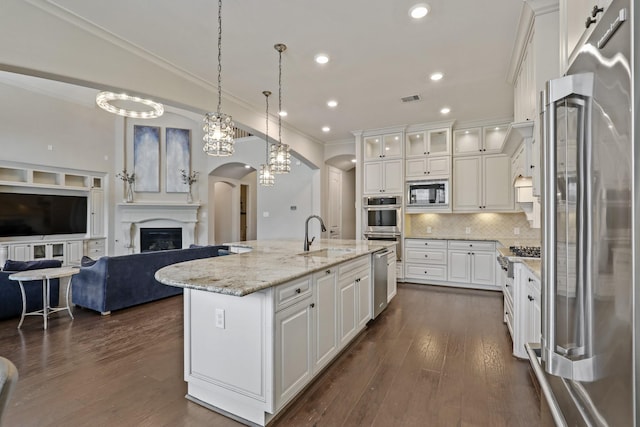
<point>378,54</point>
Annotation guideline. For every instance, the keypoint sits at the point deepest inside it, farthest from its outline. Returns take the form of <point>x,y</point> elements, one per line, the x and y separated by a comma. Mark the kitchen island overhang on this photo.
<point>260,325</point>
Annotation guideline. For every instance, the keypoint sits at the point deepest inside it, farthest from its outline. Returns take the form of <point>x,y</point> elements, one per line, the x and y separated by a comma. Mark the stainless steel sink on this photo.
<point>328,252</point>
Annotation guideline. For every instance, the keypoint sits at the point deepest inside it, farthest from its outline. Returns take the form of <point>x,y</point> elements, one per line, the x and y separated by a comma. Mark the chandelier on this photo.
<point>107,101</point>
<point>279,155</point>
<point>266,178</point>
<point>218,127</point>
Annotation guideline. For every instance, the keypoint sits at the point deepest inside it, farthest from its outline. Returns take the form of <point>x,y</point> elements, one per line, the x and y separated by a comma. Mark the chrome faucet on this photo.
<point>308,242</point>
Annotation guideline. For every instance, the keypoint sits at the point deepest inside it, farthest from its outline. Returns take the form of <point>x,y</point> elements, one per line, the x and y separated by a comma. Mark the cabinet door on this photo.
<point>459,266</point>
<point>347,311</point>
<point>483,268</point>
<point>498,188</point>
<point>372,148</point>
<point>293,350</point>
<point>416,145</point>
<point>20,252</point>
<point>533,310</point>
<point>97,213</point>
<point>74,252</point>
<point>493,137</point>
<point>467,142</point>
<point>467,183</point>
<point>392,146</point>
<point>363,287</point>
<point>325,318</point>
<point>438,142</point>
<point>416,168</point>
<point>372,178</point>
<point>392,176</point>
<point>392,280</point>
<point>438,166</point>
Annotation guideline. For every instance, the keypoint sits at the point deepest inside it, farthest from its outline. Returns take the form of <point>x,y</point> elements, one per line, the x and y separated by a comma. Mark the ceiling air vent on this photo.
<point>411,98</point>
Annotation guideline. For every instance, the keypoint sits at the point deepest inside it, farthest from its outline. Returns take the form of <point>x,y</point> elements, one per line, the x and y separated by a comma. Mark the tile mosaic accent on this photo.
<point>494,226</point>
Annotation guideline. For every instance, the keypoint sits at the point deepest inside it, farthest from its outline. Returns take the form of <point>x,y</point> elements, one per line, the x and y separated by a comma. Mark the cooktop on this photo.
<point>526,251</point>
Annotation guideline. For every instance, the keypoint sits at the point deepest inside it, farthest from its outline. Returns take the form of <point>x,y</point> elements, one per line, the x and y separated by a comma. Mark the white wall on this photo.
<point>223,219</point>
<point>348,204</point>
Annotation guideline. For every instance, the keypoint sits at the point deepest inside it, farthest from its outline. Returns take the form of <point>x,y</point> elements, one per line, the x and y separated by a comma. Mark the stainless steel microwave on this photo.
<point>428,194</point>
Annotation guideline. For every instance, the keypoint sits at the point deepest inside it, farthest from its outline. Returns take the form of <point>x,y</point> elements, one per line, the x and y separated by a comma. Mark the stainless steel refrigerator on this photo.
<point>586,362</point>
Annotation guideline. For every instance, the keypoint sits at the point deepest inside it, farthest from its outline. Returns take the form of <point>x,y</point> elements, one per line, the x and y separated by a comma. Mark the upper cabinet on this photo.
<point>434,142</point>
<point>480,140</point>
<point>381,147</point>
<point>577,20</point>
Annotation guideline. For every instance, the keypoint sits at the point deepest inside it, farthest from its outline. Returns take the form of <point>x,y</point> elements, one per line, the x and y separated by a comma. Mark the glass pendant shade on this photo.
<point>218,127</point>
<point>266,178</point>
<point>218,134</point>
<point>280,158</point>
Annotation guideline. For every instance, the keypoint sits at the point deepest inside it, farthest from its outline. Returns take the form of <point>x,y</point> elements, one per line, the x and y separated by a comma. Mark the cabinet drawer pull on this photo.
<point>298,291</point>
<point>312,305</point>
<point>530,298</point>
<point>530,280</point>
<point>328,272</point>
<point>426,256</point>
<point>425,272</point>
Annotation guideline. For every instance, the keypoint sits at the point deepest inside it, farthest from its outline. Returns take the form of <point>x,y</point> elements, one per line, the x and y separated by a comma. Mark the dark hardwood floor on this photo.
<point>436,357</point>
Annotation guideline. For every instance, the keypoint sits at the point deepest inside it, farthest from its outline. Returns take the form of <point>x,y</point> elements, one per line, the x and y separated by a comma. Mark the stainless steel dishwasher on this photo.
<point>380,280</point>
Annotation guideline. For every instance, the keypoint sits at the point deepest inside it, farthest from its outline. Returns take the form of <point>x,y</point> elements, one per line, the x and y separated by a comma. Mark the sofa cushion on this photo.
<point>11,265</point>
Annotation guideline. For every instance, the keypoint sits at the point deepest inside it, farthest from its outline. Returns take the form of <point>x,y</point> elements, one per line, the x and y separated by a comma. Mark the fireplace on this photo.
<point>135,217</point>
<point>160,239</point>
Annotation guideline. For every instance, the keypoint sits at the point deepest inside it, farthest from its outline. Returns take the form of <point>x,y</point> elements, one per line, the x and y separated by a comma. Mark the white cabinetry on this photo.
<point>573,30</point>
<point>74,252</point>
<point>527,313</point>
<point>472,262</point>
<point>426,259</point>
<point>325,318</point>
<point>480,140</point>
<point>95,248</point>
<point>96,207</point>
<point>68,251</point>
<point>294,346</point>
<point>433,142</point>
<point>429,167</point>
<point>383,161</point>
<point>482,183</point>
<point>383,177</point>
<point>354,298</point>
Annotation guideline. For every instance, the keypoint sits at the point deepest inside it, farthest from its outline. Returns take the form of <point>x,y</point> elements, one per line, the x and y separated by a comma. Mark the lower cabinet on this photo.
<point>526,309</point>
<point>69,251</point>
<point>467,263</point>
<point>274,341</point>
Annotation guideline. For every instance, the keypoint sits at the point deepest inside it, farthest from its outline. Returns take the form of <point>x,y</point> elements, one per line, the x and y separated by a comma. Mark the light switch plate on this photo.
<point>220,318</point>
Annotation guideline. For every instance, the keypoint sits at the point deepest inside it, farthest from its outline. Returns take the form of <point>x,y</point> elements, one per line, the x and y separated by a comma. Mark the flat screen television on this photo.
<point>41,214</point>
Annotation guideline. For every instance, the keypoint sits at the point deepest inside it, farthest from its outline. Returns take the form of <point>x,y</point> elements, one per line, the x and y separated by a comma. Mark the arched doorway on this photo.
<point>232,215</point>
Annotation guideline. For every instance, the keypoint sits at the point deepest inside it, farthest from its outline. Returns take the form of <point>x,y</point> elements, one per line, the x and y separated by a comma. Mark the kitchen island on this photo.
<point>261,324</point>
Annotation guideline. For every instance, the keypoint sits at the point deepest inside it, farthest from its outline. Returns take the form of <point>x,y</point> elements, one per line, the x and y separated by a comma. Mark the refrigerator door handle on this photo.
<point>572,359</point>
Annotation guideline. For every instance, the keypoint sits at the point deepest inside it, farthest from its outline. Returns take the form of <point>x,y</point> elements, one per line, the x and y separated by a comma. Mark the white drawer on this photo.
<point>290,292</point>
<point>425,272</point>
<point>95,243</point>
<point>425,243</point>
<point>427,256</point>
<point>472,244</point>
<point>95,252</point>
<point>356,265</point>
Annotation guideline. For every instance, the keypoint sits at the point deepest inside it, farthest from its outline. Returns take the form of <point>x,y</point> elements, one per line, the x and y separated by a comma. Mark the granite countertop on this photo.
<point>269,263</point>
<point>533,264</point>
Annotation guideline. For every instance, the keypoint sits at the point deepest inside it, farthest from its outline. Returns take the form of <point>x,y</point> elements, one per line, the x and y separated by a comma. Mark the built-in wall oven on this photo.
<point>383,220</point>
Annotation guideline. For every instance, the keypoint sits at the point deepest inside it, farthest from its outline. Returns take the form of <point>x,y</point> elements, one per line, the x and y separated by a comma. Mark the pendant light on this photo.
<point>279,155</point>
<point>218,127</point>
<point>266,178</point>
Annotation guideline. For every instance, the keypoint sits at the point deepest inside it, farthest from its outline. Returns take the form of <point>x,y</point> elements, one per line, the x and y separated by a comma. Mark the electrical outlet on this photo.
<point>429,230</point>
<point>220,318</point>
<point>516,230</point>
<point>50,147</point>
<point>265,214</point>
<point>467,230</point>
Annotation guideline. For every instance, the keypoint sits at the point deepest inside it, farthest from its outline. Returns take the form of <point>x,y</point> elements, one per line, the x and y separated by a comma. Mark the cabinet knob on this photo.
<point>298,291</point>
<point>470,245</point>
<point>425,152</point>
<point>507,285</point>
<point>428,172</point>
<point>328,271</point>
<point>312,305</point>
<point>426,256</point>
<point>425,272</point>
<point>589,21</point>
<point>468,253</point>
<point>530,279</point>
<point>530,298</point>
<point>426,244</point>
<point>596,10</point>
<point>532,166</point>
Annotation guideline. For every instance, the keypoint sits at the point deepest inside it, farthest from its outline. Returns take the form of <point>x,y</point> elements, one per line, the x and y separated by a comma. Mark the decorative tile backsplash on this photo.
<point>498,226</point>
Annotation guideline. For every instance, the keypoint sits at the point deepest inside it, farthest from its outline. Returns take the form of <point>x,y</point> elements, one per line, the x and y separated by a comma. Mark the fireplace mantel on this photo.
<point>134,215</point>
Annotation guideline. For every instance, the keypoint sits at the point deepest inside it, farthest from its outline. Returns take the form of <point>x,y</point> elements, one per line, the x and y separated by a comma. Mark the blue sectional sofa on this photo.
<point>10,298</point>
<point>116,282</point>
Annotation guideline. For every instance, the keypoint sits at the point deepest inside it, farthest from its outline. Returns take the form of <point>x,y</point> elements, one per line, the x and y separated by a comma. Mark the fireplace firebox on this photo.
<point>160,239</point>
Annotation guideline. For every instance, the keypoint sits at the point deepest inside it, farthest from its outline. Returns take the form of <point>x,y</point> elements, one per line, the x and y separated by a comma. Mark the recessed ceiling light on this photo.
<point>283,113</point>
<point>321,58</point>
<point>419,11</point>
<point>332,103</point>
<point>247,166</point>
<point>497,128</point>
<point>466,132</point>
<point>353,160</point>
<point>436,76</point>
<point>445,110</point>
<point>326,129</point>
